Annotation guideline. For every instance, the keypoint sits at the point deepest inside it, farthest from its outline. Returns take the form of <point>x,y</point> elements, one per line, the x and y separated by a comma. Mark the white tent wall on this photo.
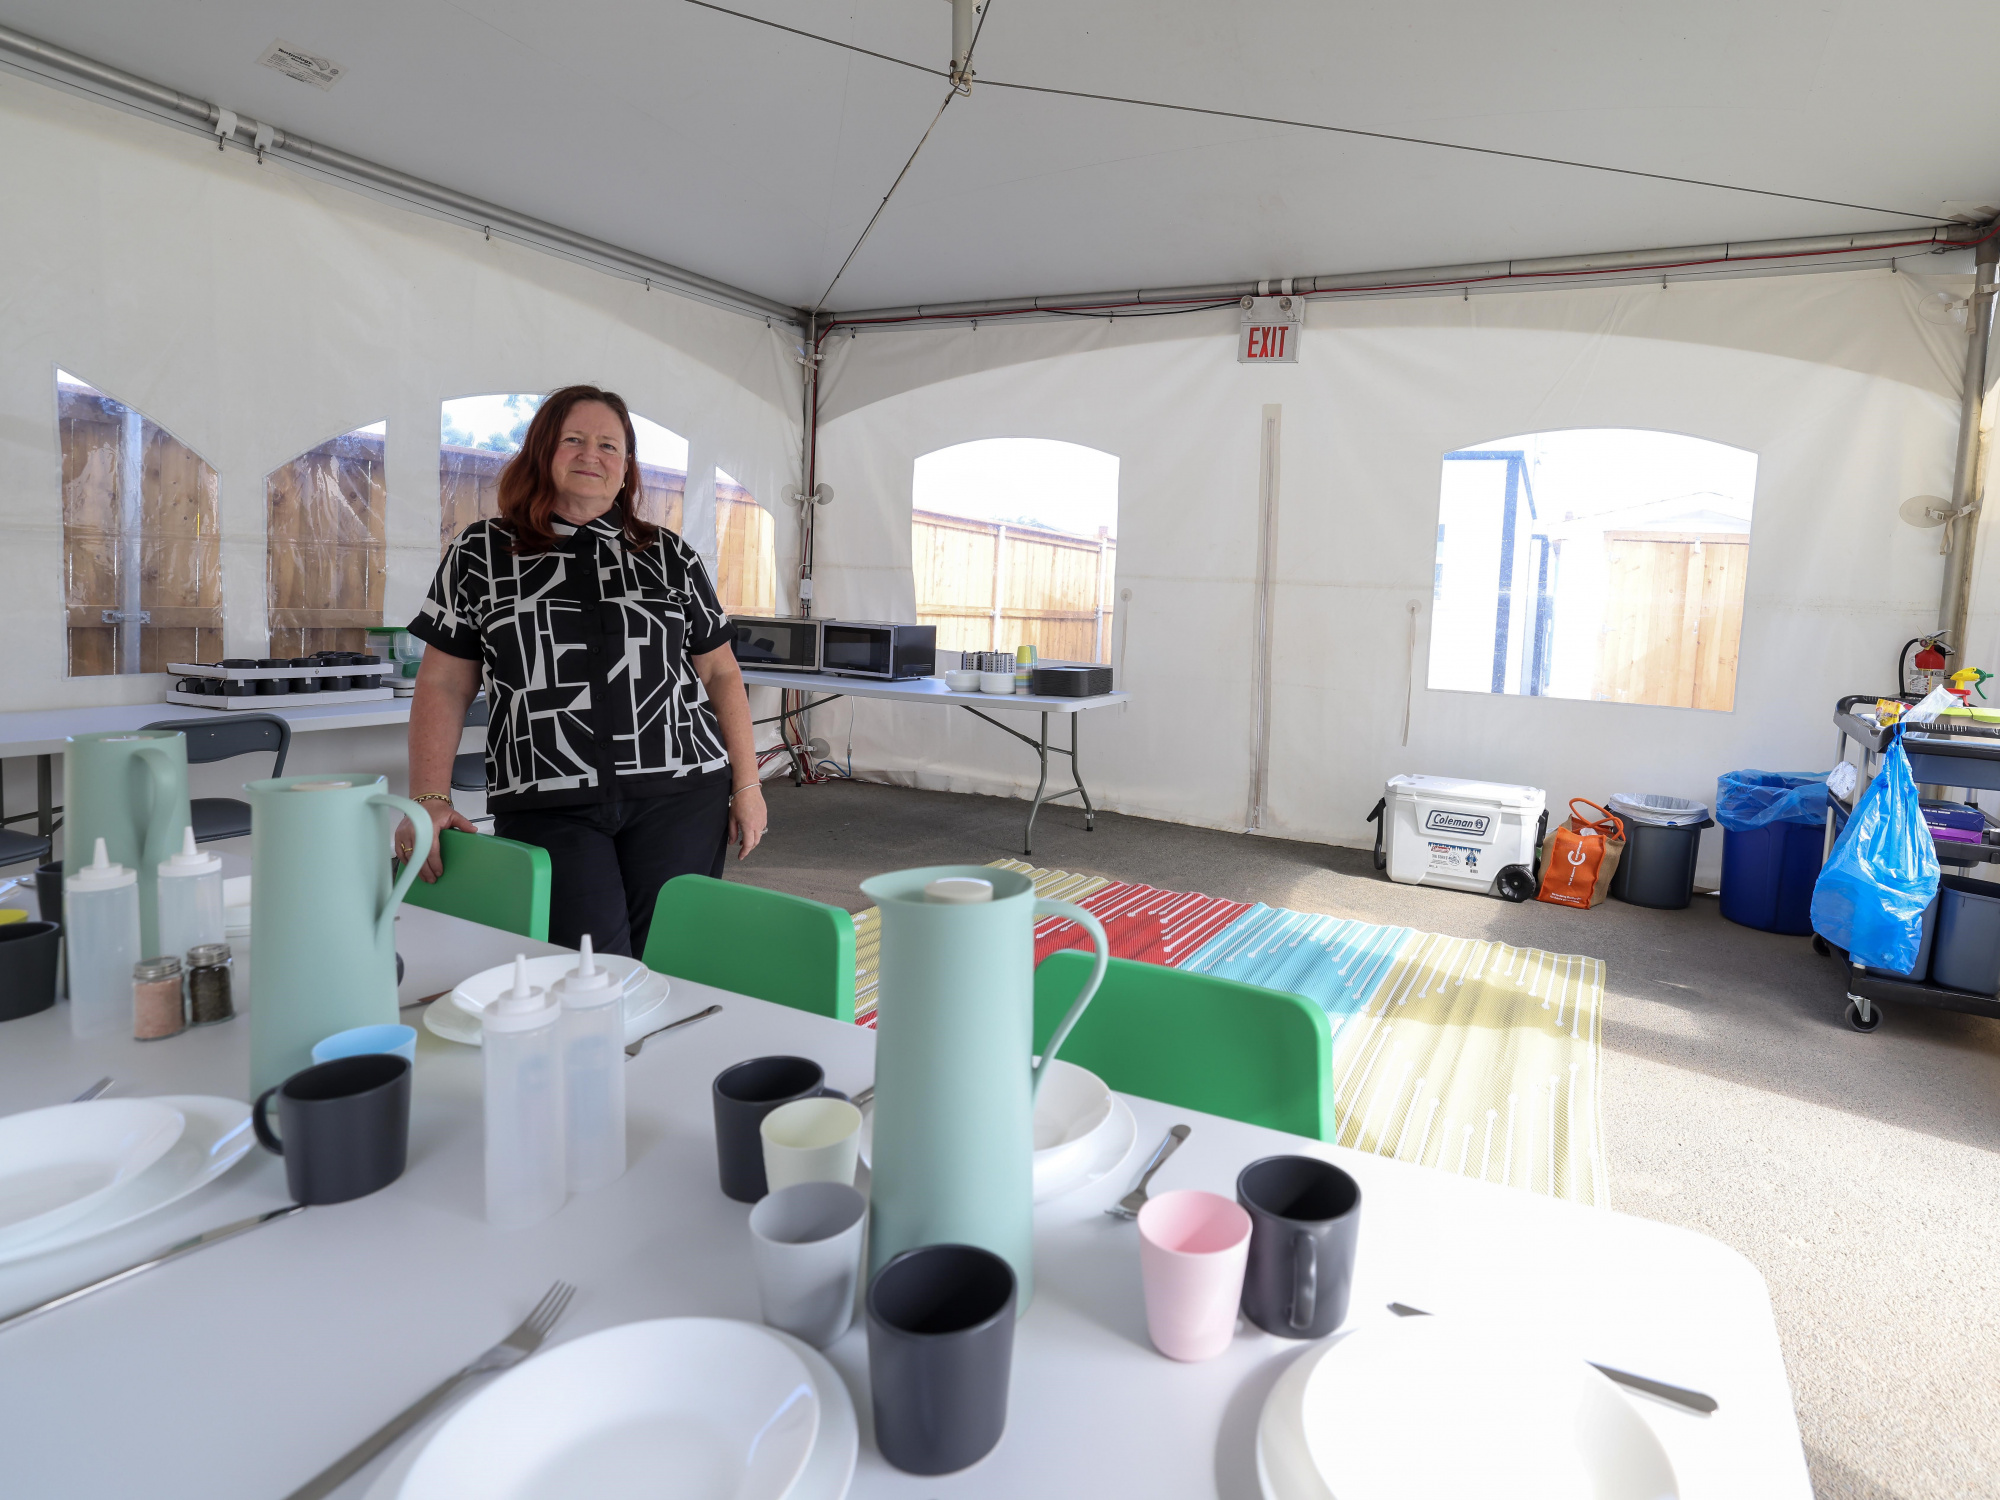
<point>1845,392</point>
<point>255,311</point>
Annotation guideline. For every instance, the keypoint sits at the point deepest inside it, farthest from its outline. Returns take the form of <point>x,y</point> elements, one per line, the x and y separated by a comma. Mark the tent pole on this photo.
<point>1683,260</point>
<point>1969,473</point>
<point>808,461</point>
<point>50,63</point>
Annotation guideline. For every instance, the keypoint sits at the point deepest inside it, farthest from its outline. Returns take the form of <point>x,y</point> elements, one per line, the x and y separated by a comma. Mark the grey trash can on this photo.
<point>1662,840</point>
<point>1966,953</point>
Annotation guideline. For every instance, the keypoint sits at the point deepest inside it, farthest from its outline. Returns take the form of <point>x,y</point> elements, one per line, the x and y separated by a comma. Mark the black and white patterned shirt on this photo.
<point>584,650</point>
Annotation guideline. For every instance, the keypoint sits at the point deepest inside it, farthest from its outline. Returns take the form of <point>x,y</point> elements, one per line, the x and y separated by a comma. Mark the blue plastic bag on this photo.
<point>1750,799</point>
<point>1882,873</point>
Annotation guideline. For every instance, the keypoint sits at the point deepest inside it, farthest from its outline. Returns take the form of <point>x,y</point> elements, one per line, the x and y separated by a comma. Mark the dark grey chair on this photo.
<point>224,736</point>
<point>15,847</point>
<point>468,771</point>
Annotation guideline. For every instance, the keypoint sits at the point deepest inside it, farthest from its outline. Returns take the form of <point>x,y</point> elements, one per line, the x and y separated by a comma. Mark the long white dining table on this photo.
<point>241,1370</point>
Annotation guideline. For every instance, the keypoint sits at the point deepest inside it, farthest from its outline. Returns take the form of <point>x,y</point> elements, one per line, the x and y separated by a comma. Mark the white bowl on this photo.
<point>996,682</point>
<point>1528,1420</point>
<point>693,1407</point>
<point>57,1164</point>
<point>1071,1103</point>
<point>962,682</point>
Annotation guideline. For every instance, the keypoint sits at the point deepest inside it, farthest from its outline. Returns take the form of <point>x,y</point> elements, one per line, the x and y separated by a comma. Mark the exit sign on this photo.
<point>1268,333</point>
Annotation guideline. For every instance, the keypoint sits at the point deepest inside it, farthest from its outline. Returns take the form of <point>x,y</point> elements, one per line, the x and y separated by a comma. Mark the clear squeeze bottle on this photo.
<point>593,1050</point>
<point>101,939</point>
<point>190,899</point>
<point>526,1170</point>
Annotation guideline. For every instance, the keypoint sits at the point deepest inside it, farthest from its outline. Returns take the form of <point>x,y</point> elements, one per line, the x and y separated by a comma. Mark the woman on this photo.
<point>620,736</point>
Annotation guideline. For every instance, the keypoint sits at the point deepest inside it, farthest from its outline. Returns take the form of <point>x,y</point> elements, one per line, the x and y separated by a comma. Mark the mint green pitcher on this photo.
<point>955,1078</point>
<point>128,787</point>
<point>323,905</point>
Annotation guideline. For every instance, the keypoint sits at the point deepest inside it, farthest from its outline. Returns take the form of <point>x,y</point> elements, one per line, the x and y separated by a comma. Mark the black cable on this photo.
<point>1373,135</point>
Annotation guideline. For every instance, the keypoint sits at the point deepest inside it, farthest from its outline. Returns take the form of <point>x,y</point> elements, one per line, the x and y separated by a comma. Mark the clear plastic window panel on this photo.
<point>142,553</point>
<point>327,557</point>
<point>1014,542</point>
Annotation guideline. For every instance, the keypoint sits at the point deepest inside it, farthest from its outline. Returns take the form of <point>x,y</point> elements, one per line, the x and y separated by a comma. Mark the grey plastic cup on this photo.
<point>806,1242</point>
<point>940,1351</point>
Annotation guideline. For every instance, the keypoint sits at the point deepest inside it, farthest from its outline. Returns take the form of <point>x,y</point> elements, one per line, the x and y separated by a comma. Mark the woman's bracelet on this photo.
<point>753,786</point>
<point>444,797</point>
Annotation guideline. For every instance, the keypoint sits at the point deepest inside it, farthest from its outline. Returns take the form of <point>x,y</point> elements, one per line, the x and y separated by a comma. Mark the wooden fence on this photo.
<point>139,536</point>
<point>1673,617</point>
<point>994,586</point>
<point>326,556</point>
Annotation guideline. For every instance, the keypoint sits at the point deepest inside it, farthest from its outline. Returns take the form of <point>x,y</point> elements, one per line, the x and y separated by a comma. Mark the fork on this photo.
<point>1128,1206</point>
<point>504,1355</point>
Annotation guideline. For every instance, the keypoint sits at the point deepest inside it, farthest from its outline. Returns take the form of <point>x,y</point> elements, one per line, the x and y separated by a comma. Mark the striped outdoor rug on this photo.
<point>1456,1053</point>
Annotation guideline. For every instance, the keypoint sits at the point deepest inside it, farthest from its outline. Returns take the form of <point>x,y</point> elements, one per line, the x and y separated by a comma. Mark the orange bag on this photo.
<point>1580,857</point>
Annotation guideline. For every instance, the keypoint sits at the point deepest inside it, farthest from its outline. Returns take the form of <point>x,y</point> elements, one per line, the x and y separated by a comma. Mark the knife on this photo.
<point>172,1252</point>
<point>1694,1400</point>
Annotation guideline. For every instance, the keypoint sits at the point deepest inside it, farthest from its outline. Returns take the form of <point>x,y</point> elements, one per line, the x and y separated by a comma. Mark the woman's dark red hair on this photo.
<point>527,484</point>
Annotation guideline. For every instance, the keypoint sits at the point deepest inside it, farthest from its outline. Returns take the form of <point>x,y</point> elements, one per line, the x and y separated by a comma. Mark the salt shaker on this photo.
<point>593,1042</point>
<point>158,1005</point>
<point>101,943</point>
<point>526,1164</point>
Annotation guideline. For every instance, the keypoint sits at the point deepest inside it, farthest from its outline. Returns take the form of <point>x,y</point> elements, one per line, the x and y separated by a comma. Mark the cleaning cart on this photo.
<point>1958,967</point>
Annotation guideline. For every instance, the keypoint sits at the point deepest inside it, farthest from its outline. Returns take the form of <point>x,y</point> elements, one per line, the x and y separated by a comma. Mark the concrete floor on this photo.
<point>1860,1174</point>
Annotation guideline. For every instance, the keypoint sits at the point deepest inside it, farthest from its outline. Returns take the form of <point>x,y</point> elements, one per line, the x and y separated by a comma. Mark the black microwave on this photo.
<point>776,645</point>
<point>875,648</point>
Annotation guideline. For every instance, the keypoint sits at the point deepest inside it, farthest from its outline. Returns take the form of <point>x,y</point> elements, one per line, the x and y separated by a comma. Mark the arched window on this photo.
<point>142,554</point>
<point>326,558</point>
<point>746,550</point>
<point>478,434</point>
<point>1014,541</point>
<point>1605,563</point>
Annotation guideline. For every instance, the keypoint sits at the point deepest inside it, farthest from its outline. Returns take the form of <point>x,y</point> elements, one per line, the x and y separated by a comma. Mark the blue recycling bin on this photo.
<point>1773,837</point>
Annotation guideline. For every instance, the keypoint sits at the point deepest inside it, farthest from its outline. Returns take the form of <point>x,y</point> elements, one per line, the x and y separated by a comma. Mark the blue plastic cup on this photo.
<point>362,1040</point>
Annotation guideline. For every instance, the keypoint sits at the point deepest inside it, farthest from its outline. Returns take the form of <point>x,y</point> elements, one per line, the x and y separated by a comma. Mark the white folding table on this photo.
<point>243,1369</point>
<point>42,732</point>
<point>932,691</point>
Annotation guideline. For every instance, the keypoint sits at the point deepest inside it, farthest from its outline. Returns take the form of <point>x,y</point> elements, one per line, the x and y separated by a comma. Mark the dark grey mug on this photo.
<point>28,967</point>
<point>743,1095</point>
<point>1304,1216</point>
<point>346,1126</point>
<point>940,1350</point>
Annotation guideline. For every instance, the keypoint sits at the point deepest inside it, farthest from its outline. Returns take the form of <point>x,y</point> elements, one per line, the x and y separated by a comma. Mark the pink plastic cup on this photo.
<point>1193,1247</point>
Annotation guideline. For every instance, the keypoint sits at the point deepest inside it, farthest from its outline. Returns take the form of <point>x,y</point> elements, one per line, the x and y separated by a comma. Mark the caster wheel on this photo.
<point>1820,947</point>
<point>1854,1017</point>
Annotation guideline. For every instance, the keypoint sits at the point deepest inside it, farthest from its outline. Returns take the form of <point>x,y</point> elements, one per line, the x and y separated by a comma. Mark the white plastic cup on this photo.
<point>811,1140</point>
<point>806,1243</point>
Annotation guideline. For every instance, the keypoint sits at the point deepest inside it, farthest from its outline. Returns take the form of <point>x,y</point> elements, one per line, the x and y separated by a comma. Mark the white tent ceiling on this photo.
<point>756,157</point>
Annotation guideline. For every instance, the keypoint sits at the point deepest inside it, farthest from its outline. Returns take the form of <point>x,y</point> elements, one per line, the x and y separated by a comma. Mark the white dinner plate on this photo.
<point>216,1138</point>
<point>475,994</point>
<point>828,1472</point>
<point>702,1408</point>
<point>57,1164</point>
<point>1066,1168</point>
<point>446,1019</point>
<point>1440,1408</point>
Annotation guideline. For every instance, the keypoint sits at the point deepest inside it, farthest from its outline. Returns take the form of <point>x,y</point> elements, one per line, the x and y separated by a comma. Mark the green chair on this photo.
<point>780,948</point>
<point>496,881</point>
<point>1238,1050</point>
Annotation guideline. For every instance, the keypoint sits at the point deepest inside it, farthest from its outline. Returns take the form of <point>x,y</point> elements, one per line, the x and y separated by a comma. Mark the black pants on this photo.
<point>609,859</point>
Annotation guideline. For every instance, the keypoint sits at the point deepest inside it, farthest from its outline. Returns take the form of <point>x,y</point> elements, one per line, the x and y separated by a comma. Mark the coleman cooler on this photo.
<point>1440,830</point>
